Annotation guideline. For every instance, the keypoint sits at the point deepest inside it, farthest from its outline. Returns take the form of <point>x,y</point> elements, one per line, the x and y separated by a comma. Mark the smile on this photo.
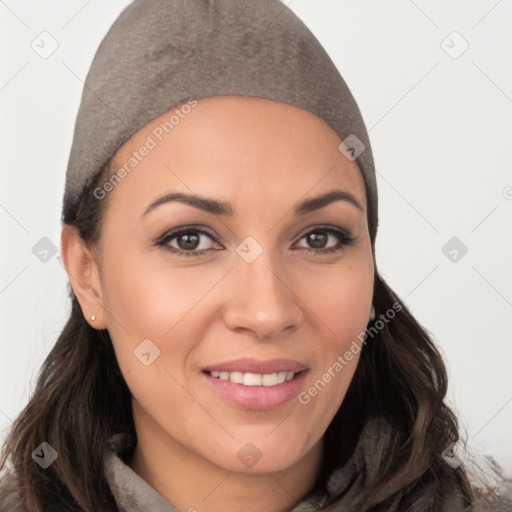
<point>254,379</point>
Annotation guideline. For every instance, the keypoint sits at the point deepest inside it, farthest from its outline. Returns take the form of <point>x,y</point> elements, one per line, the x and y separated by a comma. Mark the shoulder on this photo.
<point>10,495</point>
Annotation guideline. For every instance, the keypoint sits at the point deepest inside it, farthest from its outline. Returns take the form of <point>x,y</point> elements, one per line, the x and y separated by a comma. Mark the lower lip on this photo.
<point>257,398</point>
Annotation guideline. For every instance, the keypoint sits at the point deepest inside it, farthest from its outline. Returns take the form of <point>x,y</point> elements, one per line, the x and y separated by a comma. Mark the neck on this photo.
<point>191,483</point>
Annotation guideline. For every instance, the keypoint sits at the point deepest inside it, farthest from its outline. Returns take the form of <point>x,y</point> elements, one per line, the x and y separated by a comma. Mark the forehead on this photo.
<point>234,145</point>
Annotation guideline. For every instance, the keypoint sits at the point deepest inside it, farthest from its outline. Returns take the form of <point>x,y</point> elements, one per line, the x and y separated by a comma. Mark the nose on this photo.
<point>261,302</point>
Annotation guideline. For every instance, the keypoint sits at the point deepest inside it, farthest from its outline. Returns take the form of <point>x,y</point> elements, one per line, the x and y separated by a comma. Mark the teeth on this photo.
<point>236,377</point>
<point>254,379</point>
<point>270,379</point>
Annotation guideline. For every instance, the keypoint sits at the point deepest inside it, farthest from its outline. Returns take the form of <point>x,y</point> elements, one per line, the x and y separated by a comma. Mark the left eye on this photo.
<point>320,237</point>
<point>189,242</point>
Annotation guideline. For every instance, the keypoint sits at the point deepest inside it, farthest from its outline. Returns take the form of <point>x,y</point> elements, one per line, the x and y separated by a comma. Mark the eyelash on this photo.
<point>163,242</point>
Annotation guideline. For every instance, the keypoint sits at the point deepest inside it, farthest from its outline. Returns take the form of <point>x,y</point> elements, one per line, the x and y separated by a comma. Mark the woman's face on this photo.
<point>194,297</point>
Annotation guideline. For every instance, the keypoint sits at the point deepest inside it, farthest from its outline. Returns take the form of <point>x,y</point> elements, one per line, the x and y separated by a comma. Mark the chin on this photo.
<point>261,456</point>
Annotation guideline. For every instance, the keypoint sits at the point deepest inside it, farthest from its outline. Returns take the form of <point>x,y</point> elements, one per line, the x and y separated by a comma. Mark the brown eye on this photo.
<point>318,240</point>
<point>186,242</point>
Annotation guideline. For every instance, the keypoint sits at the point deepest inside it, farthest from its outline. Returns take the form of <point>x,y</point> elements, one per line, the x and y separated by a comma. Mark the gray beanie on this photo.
<point>159,54</point>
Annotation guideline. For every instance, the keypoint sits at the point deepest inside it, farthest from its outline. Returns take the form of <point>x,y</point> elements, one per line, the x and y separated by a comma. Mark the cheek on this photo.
<point>341,299</point>
<point>148,301</point>
<point>152,298</point>
<point>163,305</point>
<point>341,304</point>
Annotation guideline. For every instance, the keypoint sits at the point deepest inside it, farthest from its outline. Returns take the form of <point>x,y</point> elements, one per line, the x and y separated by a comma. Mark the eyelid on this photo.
<point>171,233</point>
<point>319,227</point>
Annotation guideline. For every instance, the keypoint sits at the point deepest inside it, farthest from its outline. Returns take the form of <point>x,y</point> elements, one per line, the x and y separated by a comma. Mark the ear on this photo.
<point>84,275</point>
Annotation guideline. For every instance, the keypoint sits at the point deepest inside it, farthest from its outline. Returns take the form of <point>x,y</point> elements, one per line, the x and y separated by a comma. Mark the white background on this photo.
<point>440,128</point>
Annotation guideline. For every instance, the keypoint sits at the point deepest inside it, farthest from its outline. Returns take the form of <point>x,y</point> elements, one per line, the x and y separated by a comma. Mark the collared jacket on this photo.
<point>133,494</point>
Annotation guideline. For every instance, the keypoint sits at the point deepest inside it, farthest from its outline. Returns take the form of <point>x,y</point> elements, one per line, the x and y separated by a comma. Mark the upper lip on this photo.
<point>257,366</point>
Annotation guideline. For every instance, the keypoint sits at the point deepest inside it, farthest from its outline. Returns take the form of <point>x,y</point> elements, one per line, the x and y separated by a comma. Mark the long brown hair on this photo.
<point>81,400</point>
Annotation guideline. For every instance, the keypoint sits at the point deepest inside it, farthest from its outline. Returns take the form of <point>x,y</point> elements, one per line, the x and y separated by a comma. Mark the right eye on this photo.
<point>187,241</point>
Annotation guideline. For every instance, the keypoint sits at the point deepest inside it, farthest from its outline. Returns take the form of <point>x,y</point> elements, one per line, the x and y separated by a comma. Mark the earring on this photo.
<point>93,317</point>
<point>372,313</point>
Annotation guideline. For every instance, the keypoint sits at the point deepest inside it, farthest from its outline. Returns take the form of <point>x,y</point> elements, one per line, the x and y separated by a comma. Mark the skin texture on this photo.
<point>262,157</point>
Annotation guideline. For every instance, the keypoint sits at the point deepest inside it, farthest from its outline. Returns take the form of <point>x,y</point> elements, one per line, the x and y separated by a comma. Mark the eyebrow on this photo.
<point>221,208</point>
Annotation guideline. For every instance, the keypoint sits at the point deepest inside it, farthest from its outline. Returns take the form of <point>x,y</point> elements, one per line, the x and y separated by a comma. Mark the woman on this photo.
<point>231,344</point>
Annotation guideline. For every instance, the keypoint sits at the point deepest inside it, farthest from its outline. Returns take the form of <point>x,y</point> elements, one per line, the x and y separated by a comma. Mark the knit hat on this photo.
<point>159,54</point>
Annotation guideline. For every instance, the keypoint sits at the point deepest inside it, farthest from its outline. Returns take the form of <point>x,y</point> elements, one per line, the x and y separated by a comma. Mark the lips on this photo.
<point>254,384</point>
